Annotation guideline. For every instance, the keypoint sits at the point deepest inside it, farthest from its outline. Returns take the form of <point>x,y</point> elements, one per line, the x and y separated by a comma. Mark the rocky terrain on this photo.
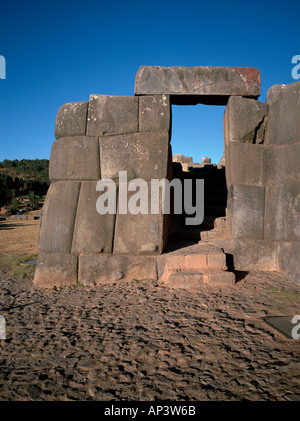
<point>139,341</point>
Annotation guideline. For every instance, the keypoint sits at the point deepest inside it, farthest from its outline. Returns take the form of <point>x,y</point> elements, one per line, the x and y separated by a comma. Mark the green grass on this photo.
<point>11,265</point>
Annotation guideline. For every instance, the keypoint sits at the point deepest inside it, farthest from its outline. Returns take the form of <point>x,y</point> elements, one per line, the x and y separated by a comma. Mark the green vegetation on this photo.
<point>11,265</point>
<point>27,177</point>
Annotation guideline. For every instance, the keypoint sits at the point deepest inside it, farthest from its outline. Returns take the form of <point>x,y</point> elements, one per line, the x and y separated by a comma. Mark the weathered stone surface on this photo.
<point>55,269</point>
<point>283,123</point>
<point>140,233</point>
<point>154,113</point>
<point>250,254</point>
<point>103,268</point>
<point>245,211</point>
<point>282,211</point>
<point>110,115</point>
<point>198,258</point>
<point>245,163</point>
<point>274,213</point>
<point>292,162</point>
<point>71,120</point>
<point>288,260</point>
<point>245,120</point>
<point>178,157</point>
<point>75,158</point>
<point>59,213</point>
<point>185,280</point>
<point>218,278</point>
<point>93,233</point>
<point>202,84</point>
<point>274,165</point>
<point>142,155</point>
<point>291,218</point>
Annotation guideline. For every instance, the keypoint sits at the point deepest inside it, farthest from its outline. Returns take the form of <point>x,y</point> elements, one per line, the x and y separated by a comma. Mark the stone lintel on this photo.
<point>199,84</point>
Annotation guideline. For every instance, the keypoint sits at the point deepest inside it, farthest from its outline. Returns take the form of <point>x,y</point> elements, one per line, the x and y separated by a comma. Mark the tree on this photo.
<point>33,200</point>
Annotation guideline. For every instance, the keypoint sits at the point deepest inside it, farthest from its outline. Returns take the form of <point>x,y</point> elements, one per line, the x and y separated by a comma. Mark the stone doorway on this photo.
<point>212,171</point>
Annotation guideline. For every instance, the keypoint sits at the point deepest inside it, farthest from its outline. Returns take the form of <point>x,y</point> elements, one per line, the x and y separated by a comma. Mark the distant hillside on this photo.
<point>19,178</point>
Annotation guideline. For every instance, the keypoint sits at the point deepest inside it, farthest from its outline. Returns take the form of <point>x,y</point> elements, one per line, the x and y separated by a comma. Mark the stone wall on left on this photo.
<point>95,140</point>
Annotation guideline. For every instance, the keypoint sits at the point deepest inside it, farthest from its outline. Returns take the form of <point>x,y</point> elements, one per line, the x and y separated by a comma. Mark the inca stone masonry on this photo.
<point>97,139</point>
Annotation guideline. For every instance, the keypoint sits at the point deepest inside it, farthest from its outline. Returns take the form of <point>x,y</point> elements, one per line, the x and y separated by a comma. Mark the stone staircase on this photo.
<point>194,266</point>
<point>191,261</point>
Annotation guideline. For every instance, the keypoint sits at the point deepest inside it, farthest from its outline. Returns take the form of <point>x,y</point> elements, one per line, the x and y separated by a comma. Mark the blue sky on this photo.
<point>63,51</point>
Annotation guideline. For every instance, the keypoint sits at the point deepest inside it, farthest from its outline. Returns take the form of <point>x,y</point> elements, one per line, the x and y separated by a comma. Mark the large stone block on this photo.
<point>71,120</point>
<point>141,233</point>
<point>274,213</point>
<point>93,233</point>
<point>110,115</point>
<point>274,158</point>
<point>244,163</point>
<point>59,211</point>
<point>142,155</point>
<point>100,269</point>
<point>291,201</point>
<point>292,161</point>
<point>288,260</point>
<point>75,158</point>
<point>244,120</point>
<point>55,269</point>
<point>283,123</point>
<point>155,113</point>
<point>247,211</point>
<point>282,211</point>
<point>205,84</point>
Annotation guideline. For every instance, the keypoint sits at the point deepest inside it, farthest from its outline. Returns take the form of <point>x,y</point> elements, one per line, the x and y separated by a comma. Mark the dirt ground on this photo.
<point>19,237</point>
<point>141,341</point>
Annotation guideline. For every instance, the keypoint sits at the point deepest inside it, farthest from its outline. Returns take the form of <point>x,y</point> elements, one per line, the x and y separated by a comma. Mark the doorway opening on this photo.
<point>197,143</point>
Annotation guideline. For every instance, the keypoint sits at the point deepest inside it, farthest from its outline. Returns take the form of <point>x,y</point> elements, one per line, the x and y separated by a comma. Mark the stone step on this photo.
<point>213,234</point>
<point>194,266</point>
<point>193,280</point>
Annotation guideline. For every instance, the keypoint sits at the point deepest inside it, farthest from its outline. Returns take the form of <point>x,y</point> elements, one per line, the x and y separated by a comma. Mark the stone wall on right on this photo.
<point>262,149</point>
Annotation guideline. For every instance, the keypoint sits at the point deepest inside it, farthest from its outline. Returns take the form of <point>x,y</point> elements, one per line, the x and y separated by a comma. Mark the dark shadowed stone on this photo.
<point>274,213</point>
<point>244,163</point>
<point>283,125</point>
<point>105,268</point>
<point>198,84</point>
<point>59,211</point>
<point>291,220</point>
<point>245,120</point>
<point>155,113</point>
<point>110,115</point>
<point>274,158</point>
<point>143,155</point>
<point>245,211</point>
<point>292,161</point>
<point>93,233</point>
<point>75,158</point>
<point>71,120</point>
<point>282,211</point>
<point>55,269</point>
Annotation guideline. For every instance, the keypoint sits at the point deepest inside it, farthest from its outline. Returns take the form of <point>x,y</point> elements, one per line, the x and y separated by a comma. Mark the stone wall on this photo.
<point>95,140</point>
<point>262,144</point>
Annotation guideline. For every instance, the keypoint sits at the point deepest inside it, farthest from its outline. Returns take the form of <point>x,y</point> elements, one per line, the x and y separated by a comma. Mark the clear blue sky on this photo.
<point>63,51</point>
